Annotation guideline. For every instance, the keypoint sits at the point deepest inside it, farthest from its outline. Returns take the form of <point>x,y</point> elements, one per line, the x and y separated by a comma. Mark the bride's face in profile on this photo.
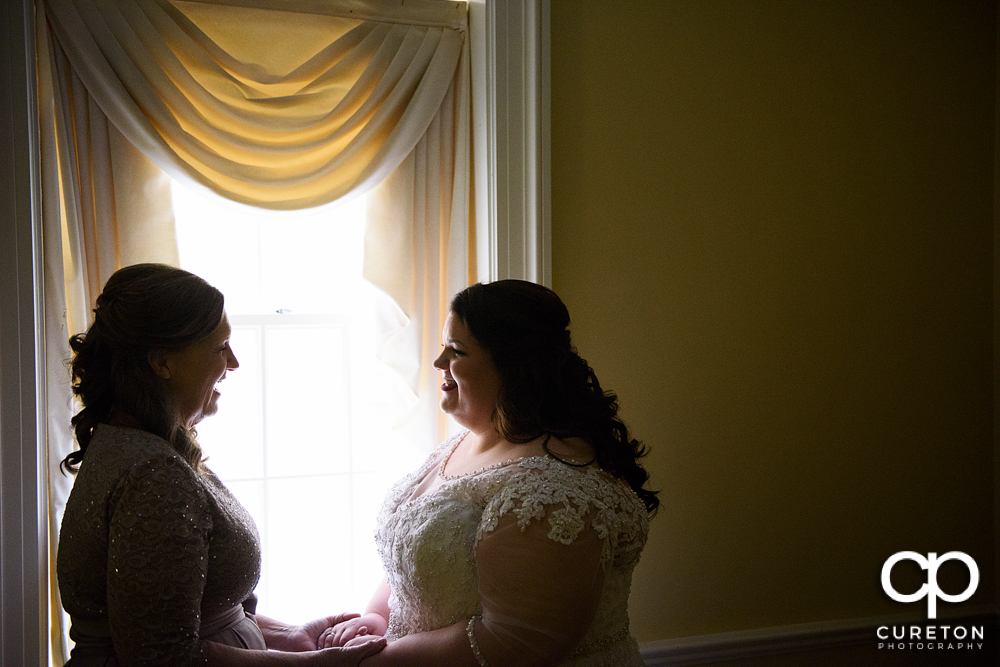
<point>470,379</point>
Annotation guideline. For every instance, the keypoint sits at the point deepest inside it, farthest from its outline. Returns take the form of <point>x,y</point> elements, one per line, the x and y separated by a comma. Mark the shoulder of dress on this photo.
<point>570,498</point>
<point>588,482</point>
<point>404,486</point>
<point>436,454</point>
<point>158,468</point>
<point>129,443</point>
<point>128,452</point>
<point>451,441</point>
<point>442,449</point>
<point>162,485</point>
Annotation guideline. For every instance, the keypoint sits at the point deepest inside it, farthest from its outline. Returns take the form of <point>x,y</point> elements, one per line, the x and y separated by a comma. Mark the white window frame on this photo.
<point>511,111</point>
<point>510,70</point>
<point>23,507</point>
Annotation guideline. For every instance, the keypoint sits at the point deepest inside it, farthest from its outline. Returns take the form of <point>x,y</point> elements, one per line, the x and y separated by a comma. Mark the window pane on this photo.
<point>307,433</point>
<point>308,550</point>
<point>307,401</point>
<point>214,243</point>
<point>233,438</point>
<point>369,490</point>
<point>312,265</point>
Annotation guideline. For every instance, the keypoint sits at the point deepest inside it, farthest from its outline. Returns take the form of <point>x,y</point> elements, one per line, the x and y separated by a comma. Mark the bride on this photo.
<point>514,543</point>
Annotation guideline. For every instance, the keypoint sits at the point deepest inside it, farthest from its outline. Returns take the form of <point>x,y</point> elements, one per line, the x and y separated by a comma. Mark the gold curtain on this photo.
<point>279,104</point>
<point>201,89</point>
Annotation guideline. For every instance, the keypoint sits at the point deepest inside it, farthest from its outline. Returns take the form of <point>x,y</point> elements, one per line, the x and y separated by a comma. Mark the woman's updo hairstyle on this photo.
<point>546,388</point>
<point>143,307</point>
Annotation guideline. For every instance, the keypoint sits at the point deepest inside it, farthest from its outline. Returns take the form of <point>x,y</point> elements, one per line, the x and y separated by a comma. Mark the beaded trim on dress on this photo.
<point>471,473</point>
<point>501,464</point>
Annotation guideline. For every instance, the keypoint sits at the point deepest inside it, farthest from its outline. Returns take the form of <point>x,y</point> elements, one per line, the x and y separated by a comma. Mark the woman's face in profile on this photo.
<point>471,381</point>
<point>194,372</point>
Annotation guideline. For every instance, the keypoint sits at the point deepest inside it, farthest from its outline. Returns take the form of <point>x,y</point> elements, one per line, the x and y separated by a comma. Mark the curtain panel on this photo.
<point>278,104</point>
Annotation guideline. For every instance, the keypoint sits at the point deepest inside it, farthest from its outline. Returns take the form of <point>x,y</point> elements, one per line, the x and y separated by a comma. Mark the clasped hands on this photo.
<point>353,631</point>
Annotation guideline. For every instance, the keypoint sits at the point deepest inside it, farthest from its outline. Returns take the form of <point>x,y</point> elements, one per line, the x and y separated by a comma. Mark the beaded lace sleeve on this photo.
<point>544,545</point>
<point>157,562</point>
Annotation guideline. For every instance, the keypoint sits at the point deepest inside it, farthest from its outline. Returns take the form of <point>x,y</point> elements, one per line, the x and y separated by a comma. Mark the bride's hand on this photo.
<point>341,633</point>
<point>307,637</point>
<point>281,636</point>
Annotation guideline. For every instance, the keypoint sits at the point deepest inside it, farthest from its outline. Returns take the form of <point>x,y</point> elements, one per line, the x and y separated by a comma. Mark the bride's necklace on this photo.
<point>471,473</point>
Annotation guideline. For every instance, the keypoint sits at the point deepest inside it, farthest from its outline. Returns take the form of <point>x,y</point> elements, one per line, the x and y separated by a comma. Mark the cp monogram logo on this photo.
<point>930,589</point>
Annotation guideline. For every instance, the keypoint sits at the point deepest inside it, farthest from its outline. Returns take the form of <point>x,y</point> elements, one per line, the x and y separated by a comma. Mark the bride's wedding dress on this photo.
<point>539,552</point>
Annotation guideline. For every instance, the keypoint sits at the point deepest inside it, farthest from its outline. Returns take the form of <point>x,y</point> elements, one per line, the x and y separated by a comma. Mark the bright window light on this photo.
<point>304,436</point>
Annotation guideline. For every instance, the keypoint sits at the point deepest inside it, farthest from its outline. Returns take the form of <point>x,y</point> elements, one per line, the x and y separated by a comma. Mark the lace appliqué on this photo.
<point>570,499</point>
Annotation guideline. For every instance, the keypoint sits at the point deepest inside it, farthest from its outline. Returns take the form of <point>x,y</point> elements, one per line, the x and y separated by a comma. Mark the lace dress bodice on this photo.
<point>543,551</point>
<point>149,549</point>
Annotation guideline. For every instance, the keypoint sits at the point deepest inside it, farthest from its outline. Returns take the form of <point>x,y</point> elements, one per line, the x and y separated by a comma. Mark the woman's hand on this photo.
<point>348,657</point>
<point>362,639</point>
<point>311,632</point>
<point>294,638</point>
<point>220,655</point>
<point>345,631</point>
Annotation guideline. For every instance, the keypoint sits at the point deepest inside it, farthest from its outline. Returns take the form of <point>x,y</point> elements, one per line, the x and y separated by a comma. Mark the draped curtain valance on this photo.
<point>199,89</point>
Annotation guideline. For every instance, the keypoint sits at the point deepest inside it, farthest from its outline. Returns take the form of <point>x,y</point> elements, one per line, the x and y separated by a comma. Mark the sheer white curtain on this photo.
<point>280,104</point>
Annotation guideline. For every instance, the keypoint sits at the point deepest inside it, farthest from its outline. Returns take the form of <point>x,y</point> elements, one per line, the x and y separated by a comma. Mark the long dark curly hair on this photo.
<point>546,388</point>
<point>143,307</point>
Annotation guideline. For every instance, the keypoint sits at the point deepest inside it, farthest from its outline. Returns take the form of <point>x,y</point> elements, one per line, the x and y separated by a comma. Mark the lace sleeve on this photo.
<point>157,562</point>
<point>540,566</point>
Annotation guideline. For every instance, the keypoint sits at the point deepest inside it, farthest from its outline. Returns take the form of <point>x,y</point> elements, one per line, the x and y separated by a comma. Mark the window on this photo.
<point>305,433</point>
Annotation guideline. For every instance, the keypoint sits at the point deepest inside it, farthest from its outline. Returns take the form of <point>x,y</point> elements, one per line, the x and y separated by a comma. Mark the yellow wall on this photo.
<point>772,223</point>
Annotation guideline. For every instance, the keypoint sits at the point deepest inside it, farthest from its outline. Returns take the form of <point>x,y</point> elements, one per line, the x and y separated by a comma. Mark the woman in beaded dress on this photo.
<point>515,542</point>
<point>157,560</point>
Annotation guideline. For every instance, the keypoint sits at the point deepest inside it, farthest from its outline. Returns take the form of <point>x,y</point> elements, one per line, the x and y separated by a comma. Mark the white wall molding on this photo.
<point>510,107</point>
<point>23,512</point>
<point>705,649</point>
